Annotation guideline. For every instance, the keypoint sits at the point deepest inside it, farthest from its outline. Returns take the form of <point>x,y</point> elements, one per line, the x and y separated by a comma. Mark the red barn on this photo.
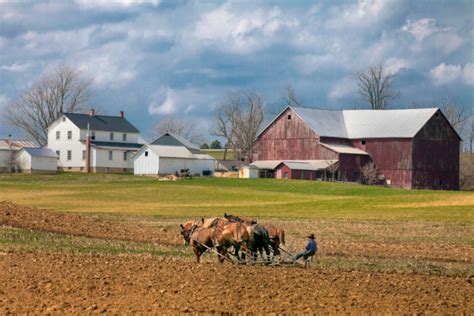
<point>413,148</point>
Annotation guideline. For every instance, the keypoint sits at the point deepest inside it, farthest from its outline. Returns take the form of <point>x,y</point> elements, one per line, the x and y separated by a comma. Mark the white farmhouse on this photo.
<point>36,160</point>
<point>113,141</point>
<point>165,160</point>
<point>8,150</point>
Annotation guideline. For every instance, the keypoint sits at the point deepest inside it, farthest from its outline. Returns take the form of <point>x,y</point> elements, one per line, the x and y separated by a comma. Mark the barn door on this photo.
<point>278,174</point>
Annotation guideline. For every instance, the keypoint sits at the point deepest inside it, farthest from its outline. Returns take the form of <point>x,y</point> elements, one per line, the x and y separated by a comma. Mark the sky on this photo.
<point>155,58</point>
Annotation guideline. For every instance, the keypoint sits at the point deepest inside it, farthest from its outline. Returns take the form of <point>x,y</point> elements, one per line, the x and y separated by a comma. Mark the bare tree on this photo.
<point>376,87</point>
<point>63,90</point>
<point>369,174</point>
<point>238,120</point>
<point>183,127</point>
<point>456,114</point>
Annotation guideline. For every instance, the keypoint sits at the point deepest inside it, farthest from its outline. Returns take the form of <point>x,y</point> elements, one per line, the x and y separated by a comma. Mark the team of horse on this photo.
<point>247,237</point>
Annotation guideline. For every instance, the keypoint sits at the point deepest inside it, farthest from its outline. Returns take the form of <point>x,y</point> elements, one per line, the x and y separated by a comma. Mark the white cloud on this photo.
<point>167,107</point>
<point>114,4</point>
<point>468,74</point>
<point>309,63</point>
<point>362,14</point>
<point>343,88</point>
<point>240,31</point>
<point>423,28</point>
<point>172,101</point>
<point>445,74</point>
<point>393,65</point>
<point>16,67</point>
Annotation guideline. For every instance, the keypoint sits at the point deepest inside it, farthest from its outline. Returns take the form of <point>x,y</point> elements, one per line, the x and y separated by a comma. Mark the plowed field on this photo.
<point>41,281</point>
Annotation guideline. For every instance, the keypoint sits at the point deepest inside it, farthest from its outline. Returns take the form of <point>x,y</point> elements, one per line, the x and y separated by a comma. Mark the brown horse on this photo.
<point>219,237</point>
<point>276,236</point>
<point>214,221</point>
<point>186,230</point>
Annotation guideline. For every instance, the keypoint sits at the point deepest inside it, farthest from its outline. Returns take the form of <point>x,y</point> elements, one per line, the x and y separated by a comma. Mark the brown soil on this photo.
<point>30,218</point>
<point>42,283</point>
<point>80,283</point>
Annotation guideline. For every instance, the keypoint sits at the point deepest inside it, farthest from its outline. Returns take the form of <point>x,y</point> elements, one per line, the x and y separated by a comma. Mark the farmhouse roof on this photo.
<point>344,149</point>
<point>102,122</point>
<point>40,152</point>
<point>170,139</point>
<point>357,124</point>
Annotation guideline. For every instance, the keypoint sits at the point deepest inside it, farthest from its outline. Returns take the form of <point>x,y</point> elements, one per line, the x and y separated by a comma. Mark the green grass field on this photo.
<point>358,227</point>
<point>263,198</point>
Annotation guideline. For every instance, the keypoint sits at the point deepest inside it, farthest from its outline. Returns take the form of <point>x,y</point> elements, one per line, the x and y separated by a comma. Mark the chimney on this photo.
<point>92,112</point>
<point>122,114</point>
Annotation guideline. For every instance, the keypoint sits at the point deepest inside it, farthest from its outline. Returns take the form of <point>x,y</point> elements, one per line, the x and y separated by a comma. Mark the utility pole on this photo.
<point>10,166</point>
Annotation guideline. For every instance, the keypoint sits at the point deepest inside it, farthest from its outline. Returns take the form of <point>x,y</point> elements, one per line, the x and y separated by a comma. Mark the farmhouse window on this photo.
<point>146,153</point>
<point>111,155</point>
<point>69,134</point>
<point>58,153</point>
<point>93,135</point>
<point>83,155</point>
<point>58,134</point>
<point>124,137</point>
<point>69,155</point>
<point>124,156</point>
<point>111,136</point>
<point>362,142</point>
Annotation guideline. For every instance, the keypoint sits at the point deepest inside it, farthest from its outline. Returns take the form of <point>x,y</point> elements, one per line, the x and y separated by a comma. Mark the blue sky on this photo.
<point>159,58</point>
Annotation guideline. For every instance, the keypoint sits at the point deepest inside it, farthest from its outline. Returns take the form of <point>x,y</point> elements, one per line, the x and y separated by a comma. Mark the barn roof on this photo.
<point>294,164</point>
<point>40,152</point>
<point>356,124</point>
<point>344,149</point>
<point>102,122</point>
<point>170,139</point>
<point>16,144</point>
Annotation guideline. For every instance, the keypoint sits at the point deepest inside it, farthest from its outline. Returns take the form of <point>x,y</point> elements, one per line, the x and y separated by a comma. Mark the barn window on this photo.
<point>363,142</point>
<point>69,155</point>
<point>289,116</point>
<point>146,153</point>
<point>111,155</point>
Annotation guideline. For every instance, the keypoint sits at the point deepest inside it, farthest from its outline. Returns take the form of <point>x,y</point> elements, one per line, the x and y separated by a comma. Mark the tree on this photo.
<point>216,144</point>
<point>238,120</point>
<point>369,174</point>
<point>183,127</point>
<point>456,114</point>
<point>376,87</point>
<point>204,146</point>
<point>63,90</point>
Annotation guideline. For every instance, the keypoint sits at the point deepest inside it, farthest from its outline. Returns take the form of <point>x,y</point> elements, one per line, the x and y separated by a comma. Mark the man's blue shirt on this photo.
<point>311,246</point>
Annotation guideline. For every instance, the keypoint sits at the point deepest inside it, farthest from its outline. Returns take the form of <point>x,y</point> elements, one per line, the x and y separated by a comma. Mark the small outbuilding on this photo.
<point>248,172</point>
<point>166,160</point>
<point>307,170</point>
<point>36,160</point>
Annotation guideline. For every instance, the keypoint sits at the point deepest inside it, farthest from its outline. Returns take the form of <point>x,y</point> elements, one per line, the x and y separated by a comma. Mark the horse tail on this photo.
<point>282,236</point>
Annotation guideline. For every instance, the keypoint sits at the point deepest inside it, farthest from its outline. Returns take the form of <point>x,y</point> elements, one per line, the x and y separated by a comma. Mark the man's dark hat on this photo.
<point>310,236</point>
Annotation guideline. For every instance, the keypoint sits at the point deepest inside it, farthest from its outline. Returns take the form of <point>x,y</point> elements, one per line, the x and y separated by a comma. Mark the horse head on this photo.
<point>187,230</point>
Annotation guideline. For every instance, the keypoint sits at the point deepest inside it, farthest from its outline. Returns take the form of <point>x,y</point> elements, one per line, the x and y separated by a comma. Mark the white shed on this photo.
<point>165,160</point>
<point>37,160</point>
<point>249,172</point>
